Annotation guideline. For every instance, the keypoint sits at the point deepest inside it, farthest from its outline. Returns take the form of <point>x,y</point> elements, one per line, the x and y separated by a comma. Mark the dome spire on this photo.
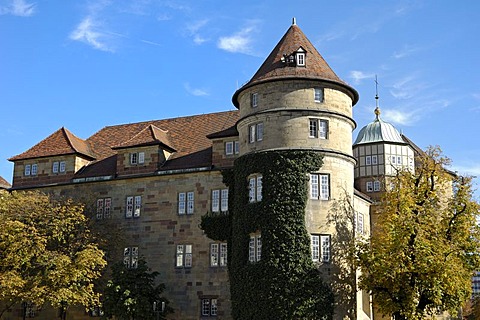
<point>377,109</point>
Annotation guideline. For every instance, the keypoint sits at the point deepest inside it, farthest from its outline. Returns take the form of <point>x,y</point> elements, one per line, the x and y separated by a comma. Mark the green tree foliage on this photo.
<point>425,245</point>
<point>131,294</point>
<point>46,252</point>
<point>285,283</point>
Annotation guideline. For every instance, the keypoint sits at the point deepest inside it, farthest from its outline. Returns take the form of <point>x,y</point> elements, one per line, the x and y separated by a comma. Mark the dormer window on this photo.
<point>300,59</point>
<point>295,59</point>
<point>137,158</point>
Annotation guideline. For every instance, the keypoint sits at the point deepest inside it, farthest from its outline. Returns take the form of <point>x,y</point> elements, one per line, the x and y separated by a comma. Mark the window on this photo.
<point>300,59</point>
<point>58,167</point>
<point>320,186</point>
<point>399,160</point>
<point>369,186</point>
<point>396,159</point>
<point>318,128</point>
<point>218,255</point>
<point>359,222</point>
<point>55,167</point>
<point>255,248</point>
<point>209,307</point>
<point>104,208</point>
<point>231,147</point>
<point>255,132</point>
<point>134,204</point>
<point>34,169</point>
<point>137,158</point>
<point>220,200</point>
<point>27,169</point>
<point>29,309</point>
<point>368,160</point>
<point>186,202</point>
<point>184,256</point>
<point>62,166</point>
<point>374,159</point>
<point>97,312</point>
<point>255,188</point>
<point>130,257</point>
<point>318,94</point>
<point>376,185</point>
<point>320,247</point>
<point>236,147</point>
<point>254,100</point>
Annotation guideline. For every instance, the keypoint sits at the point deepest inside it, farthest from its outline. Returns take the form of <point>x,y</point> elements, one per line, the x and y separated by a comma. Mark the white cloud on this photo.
<point>358,76</point>
<point>151,42</point>
<point>19,8</point>
<point>406,51</point>
<point>195,91</point>
<point>399,117</point>
<point>87,31</point>
<point>240,41</point>
<point>193,31</point>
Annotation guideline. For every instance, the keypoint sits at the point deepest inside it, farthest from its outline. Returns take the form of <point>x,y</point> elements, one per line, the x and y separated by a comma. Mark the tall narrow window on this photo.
<point>255,132</point>
<point>55,167</point>
<point>320,186</point>
<point>184,255</point>
<point>138,205</point>
<point>62,166</point>
<point>181,202</point>
<point>254,100</point>
<point>133,158</point>
<point>255,188</point>
<point>368,160</point>
<point>323,130</point>
<point>359,222</point>
<point>224,200</point>
<point>190,202</point>
<point>130,257</point>
<point>320,247</point>
<point>369,186</point>
<point>300,59</point>
<point>376,185</point>
<point>236,145</point>
<point>313,128</point>
<point>260,131</point>
<point>129,207</point>
<point>104,208</point>
<point>318,128</point>
<point>220,200</point>
<point>215,200</point>
<point>374,159</point>
<point>27,169</point>
<point>318,95</point>
<point>229,148</point>
<point>218,254</point>
<point>255,248</point>
<point>209,307</point>
<point>34,169</point>
<point>141,157</point>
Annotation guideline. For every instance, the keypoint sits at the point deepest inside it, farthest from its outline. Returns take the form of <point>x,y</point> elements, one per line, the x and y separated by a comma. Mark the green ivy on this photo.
<point>285,284</point>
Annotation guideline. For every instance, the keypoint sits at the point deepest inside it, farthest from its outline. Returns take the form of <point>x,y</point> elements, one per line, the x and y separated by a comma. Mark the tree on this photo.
<point>425,245</point>
<point>132,294</point>
<point>46,252</point>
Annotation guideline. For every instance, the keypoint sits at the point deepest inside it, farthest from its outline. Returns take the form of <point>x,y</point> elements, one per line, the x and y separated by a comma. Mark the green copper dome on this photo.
<point>378,131</point>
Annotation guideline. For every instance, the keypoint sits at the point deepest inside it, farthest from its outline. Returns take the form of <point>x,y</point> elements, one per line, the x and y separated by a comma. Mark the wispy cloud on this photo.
<point>88,31</point>
<point>239,42</point>
<point>151,42</point>
<point>357,76</point>
<point>400,117</point>
<point>406,51</point>
<point>193,30</point>
<point>407,87</point>
<point>195,91</point>
<point>19,8</point>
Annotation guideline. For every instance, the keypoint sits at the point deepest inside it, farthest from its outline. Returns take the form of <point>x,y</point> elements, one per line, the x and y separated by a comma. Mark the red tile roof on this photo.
<point>150,135</point>
<point>4,184</point>
<point>186,137</point>
<point>315,66</point>
<point>61,142</point>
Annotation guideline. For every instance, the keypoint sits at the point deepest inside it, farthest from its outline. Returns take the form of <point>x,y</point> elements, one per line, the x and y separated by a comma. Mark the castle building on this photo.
<point>156,179</point>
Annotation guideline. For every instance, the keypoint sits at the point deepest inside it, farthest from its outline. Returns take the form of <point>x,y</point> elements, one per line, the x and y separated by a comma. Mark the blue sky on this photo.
<point>89,64</point>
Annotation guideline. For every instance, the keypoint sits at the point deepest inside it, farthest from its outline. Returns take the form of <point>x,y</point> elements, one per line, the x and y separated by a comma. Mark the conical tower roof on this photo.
<point>274,67</point>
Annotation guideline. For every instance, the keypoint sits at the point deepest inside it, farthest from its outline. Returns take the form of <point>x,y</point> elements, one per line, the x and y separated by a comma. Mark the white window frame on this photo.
<point>374,159</point>
<point>62,166</point>
<point>55,166</point>
<point>186,203</point>
<point>27,170</point>
<point>129,207</point>
<point>141,157</point>
<point>255,132</point>
<point>300,57</point>
<point>369,186</point>
<point>255,188</point>
<point>137,206</point>
<point>220,200</point>
<point>318,128</point>
<point>190,202</point>
<point>184,258</point>
<point>320,186</point>
<point>182,197</point>
<point>133,158</point>
<point>254,99</point>
<point>236,147</point>
<point>255,248</point>
<point>218,254</point>
<point>34,171</point>
<point>320,247</point>
<point>359,222</point>
<point>130,257</point>
<point>104,208</point>
<point>259,129</point>
<point>209,307</point>
<point>318,94</point>
<point>368,160</point>
<point>229,148</point>
<point>376,185</point>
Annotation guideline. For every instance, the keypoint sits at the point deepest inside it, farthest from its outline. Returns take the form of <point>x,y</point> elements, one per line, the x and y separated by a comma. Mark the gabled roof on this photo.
<point>61,142</point>
<point>4,184</point>
<point>150,135</point>
<point>229,132</point>
<point>315,66</point>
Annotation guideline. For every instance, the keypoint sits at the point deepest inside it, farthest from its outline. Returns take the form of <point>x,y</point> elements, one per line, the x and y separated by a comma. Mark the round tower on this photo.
<point>295,135</point>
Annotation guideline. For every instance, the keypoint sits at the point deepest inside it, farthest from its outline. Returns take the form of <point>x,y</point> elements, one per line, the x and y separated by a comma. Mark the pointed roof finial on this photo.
<point>377,112</point>
<point>294,21</point>
<point>376,91</point>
